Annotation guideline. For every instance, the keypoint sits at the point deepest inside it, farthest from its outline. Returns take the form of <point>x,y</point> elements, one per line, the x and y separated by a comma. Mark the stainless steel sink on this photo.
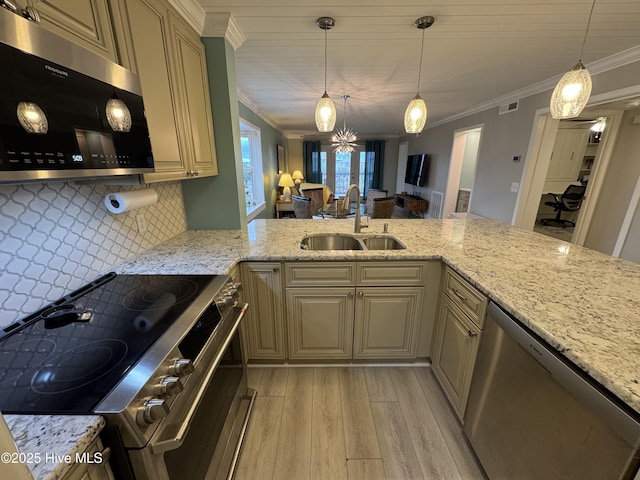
<point>340,241</point>
<point>383,242</point>
<point>331,241</point>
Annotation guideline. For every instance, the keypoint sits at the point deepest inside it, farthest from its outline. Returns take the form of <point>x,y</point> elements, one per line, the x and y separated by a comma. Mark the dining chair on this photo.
<point>382,207</point>
<point>301,206</point>
<point>372,194</point>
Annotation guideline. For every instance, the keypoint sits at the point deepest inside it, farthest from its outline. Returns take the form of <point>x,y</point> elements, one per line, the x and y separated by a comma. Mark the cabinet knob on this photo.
<point>361,294</point>
<point>472,333</point>
<point>350,294</point>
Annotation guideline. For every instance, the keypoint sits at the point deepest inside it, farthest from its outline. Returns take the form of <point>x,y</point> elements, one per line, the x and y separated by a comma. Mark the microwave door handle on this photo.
<point>162,446</point>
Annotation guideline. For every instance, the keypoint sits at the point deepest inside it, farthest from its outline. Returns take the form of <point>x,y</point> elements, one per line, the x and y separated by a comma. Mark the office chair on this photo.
<point>569,201</point>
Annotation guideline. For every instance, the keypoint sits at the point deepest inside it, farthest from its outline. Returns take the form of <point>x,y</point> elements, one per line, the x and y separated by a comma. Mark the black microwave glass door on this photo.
<point>78,135</point>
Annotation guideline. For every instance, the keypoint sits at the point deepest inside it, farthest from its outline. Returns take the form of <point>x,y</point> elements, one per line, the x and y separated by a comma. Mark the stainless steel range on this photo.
<point>159,356</point>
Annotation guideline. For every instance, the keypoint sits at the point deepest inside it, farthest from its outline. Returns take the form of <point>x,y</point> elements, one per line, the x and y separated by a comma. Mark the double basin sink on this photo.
<point>342,241</point>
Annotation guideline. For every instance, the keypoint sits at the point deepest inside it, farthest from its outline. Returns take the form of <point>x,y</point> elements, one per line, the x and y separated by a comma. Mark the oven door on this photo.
<point>203,440</point>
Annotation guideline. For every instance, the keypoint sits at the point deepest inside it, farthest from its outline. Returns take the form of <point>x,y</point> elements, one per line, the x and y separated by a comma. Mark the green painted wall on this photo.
<point>216,203</point>
<point>270,137</point>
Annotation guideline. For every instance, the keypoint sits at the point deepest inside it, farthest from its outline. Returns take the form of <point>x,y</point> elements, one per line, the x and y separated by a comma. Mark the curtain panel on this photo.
<point>374,165</point>
<point>311,161</point>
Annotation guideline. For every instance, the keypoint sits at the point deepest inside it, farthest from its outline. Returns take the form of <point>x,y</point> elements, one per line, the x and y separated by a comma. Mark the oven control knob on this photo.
<point>181,367</point>
<point>153,410</point>
<point>168,387</point>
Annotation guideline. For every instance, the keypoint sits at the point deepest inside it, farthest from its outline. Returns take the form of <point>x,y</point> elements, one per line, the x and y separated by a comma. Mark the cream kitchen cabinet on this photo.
<point>354,310</point>
<point>169,57</point>
<point>320,322</point>
<point>264,321</point>
<point>93,464</point>
<point>459,324</point>
<point>85,22</point>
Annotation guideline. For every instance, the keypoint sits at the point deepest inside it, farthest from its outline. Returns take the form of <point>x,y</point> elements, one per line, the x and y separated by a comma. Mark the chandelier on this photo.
<point>344,141</point>
<point>325,109</point>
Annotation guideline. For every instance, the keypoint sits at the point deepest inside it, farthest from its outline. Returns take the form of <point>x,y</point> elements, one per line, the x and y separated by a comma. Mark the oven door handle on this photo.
<point>162,446</point>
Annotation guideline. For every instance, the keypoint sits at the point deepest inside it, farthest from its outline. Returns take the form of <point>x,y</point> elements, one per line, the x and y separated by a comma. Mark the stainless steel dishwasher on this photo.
<point>533,415</point>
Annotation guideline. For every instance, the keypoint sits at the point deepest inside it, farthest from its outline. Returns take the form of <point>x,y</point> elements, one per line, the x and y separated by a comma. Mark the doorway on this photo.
<point>462,171</point>
<point>344,169</point>
<point>541,148</point>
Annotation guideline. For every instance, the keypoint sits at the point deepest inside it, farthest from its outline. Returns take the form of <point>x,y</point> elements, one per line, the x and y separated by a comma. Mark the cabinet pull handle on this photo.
<point>276,269</point>
<point>459,295</point>
<point>472,333</point>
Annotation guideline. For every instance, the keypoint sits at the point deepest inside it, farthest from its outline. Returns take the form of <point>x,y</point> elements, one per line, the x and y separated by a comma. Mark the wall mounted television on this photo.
<point>417,170</point>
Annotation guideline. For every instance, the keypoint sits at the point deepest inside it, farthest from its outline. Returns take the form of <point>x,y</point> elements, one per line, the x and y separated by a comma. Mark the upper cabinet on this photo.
<point>169,57</point>
<point>85,22</point>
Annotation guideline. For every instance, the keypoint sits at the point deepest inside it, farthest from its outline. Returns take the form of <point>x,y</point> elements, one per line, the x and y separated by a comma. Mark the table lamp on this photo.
<point>297,177</point>
<point>286,182</point>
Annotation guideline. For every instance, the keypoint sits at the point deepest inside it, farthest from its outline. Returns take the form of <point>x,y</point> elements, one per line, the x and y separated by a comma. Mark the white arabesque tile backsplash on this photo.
<point>56,237</point>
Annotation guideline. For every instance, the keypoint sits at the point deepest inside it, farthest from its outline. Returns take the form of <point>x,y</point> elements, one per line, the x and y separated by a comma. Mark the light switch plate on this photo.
<point>515,186</point>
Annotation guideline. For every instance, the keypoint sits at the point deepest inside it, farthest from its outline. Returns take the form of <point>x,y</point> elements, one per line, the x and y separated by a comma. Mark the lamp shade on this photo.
<point>415,117</point>
<point>325,114</point>
<point>286,180</point>
<point>297,176</point>
<point>572,93</point>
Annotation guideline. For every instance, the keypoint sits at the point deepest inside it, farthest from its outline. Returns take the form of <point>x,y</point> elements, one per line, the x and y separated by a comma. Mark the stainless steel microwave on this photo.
<point>66,112</point>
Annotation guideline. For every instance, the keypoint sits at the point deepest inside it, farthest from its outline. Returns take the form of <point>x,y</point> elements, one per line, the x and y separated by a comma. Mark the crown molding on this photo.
<point>251,105</point>
<point>611,62</point>
<point>222,24</point>
<point>191,11</point>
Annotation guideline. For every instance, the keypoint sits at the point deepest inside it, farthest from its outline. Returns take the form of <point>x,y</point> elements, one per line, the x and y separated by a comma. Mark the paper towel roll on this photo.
<point>120,202</point>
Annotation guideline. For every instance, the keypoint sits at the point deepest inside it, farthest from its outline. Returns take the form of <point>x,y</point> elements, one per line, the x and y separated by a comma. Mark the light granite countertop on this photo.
<point>583,303</point>
<point>52,441</point>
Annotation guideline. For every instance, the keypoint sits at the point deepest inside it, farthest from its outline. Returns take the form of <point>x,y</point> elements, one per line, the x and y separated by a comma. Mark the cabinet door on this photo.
<point>386,323</point>
<point>455,348</point>
<point>191,73</point>
<point>150,36</point>
<point>320,322</point>
<point>85,22</point>
<point>566,159</point>
<point>264,322</point>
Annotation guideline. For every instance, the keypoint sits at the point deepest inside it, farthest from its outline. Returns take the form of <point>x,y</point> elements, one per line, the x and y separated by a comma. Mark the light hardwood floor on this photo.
<point>352,423</point>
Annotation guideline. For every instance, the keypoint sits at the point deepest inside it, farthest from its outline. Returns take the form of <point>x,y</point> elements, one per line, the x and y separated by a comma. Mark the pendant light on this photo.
<point>415,116</point>
<point>118,115</point>
<point>32,118</point>
<point>344,140</point>
<point>574,88</point>
<point>325,109</point>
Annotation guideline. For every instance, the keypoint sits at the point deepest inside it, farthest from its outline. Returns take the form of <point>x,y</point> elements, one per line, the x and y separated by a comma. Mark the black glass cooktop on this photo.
<point>70,354</point>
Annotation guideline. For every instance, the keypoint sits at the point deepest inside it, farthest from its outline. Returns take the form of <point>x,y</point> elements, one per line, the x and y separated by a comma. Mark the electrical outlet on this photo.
<point>141,222</point>
<point>514,187</point>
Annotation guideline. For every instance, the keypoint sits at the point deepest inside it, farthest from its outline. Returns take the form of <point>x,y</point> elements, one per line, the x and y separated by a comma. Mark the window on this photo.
<point>252,168</point>
<point>342,170</point>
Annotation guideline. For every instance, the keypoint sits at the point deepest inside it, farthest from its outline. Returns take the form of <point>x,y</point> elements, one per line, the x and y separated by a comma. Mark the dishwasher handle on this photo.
<point>570,377</point>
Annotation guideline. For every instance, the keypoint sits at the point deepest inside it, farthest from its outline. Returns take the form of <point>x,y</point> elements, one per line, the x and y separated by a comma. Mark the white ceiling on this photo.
<point>476,51</point>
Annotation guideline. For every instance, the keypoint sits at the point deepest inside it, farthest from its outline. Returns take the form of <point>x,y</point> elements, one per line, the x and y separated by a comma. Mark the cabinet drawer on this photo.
<point>394,274</point>
<point>320,274</point>
<point>470,301</point>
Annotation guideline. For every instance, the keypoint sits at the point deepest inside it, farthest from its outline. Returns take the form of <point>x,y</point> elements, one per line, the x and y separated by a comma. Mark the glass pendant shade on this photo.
<point>32,118</point>
<point>325,114</point>
<point>118,115</point>
<point>571,94</point>
<point>415,117</point>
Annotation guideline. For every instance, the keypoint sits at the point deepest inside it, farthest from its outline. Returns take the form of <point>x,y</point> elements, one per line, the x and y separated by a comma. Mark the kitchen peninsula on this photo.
<point>583,303</point>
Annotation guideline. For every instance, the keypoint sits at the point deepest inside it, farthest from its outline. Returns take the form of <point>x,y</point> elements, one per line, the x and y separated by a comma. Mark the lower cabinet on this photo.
<point>387,321</point>
<point>342,310</point>
<point>264,321</point>
<point>94,464</point>
<point>457,338</point>
<point>320,322</point>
